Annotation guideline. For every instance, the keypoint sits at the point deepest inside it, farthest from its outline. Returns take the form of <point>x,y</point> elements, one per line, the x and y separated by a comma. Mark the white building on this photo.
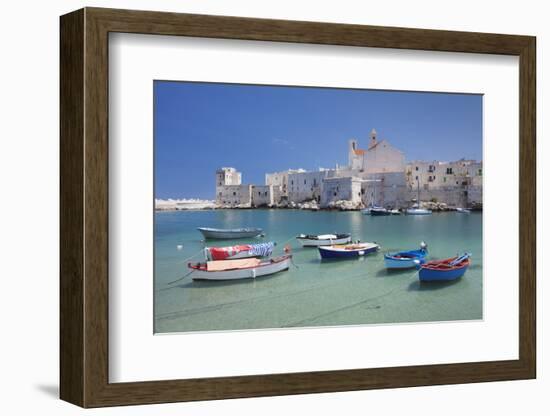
<point>457,183</point>
<point>281,179</point>
<point>307,186</point>
<point>229,190</point>
<point>379,157</point>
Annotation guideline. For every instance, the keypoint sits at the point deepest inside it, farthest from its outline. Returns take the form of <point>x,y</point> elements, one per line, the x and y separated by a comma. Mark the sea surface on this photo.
<point>313,292</point>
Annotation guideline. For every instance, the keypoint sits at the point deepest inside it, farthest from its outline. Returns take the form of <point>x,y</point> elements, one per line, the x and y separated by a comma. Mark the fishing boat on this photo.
<point>448,269</point>
<point>406,259</point>
<point>239,269</point>
<point>347,250</point>
<point>229,233</point>
<point>463,210</point>
<point>239,252</point>
<point>316,240</point>
<point>415,209</point>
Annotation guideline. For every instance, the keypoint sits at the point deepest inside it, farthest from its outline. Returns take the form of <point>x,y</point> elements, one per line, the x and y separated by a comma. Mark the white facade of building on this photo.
<point>281,179</point>
<point>380,156</point>
<point>307,186</point>
<point>341,189</point>
<point>434,174</point>
<point>265,195</point>
<point>228,176</point>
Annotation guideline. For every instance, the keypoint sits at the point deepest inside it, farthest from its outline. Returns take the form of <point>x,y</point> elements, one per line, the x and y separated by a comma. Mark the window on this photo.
<point>234,193</point>
<point>444,179</point>
<point>479,171</point>
<point>417,178</point>
<point>304,181</point>
<point>335,194</point>
<point>417,168</point>
<point>449,171</point>
<point>259,193</point>
<point>265,193</point>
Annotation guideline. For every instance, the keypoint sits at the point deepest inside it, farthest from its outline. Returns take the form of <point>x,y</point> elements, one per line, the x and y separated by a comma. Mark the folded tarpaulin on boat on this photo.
<point>216,266</point>
<point>222,253</point>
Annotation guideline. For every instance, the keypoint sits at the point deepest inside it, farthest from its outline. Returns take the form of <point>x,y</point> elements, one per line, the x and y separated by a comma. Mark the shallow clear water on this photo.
<point>315,292</point>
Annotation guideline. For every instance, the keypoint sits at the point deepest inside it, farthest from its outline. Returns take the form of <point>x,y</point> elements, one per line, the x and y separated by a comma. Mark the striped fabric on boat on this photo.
<point>262,249</point>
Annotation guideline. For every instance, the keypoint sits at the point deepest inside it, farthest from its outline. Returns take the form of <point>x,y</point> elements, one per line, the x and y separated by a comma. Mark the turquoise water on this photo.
<point>315,293</point>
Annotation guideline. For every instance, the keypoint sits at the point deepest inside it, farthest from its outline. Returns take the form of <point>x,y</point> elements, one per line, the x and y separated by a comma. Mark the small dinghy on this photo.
<point>239,252</point>
<point>239,269</point>
<point>229,233</point>
<point>448,269</point>
<point>463,210</point>
<point>309,240</point>
<point>406,259</point>
<point>343,251</point>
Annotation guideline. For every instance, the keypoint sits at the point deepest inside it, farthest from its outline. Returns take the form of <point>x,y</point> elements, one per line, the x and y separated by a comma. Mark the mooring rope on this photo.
<point>181,278</point>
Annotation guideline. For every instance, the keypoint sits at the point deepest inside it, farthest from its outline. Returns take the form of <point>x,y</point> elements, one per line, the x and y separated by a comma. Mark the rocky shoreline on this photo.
<point>342,205</point>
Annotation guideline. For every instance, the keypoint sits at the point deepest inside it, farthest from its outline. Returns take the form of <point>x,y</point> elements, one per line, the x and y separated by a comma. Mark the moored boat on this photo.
<point>316,240</point>
<point>406,259</point>
<point>415,209</point>
<point>240,251</point>
<point>418,211</point>
<point>229,233</point>
<point>463,210</point>
<point>448,269</point>
<point>395,212</point>
<point>379,211</point>
<point>239,269</point>
<point>347,250</point>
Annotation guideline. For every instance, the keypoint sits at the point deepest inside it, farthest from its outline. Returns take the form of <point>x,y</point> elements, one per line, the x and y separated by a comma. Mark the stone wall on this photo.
<point>341,189</point>
<point>234,195</point>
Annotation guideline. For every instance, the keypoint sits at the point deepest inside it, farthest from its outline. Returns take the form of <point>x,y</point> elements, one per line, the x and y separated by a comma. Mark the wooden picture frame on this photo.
<point>84,207</point>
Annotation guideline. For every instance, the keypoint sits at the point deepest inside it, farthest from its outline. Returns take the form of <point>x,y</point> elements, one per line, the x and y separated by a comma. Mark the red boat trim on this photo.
<point>444,265</point>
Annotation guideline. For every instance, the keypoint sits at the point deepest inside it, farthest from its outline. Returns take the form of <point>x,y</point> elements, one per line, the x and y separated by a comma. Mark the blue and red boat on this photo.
<point>343,251</point>
<point>448,269</point>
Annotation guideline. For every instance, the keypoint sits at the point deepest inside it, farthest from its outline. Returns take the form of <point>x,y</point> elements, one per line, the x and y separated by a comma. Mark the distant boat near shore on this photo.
<point>229,233</point>
<point>416,210</point>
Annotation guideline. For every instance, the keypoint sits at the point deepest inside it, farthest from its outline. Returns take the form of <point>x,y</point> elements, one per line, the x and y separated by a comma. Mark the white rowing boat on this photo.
<point>229,233</point>
<point>316,240</point>
<point>239,269</point>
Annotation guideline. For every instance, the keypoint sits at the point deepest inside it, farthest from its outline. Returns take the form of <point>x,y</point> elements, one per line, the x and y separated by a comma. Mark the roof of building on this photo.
<point>359,152</point>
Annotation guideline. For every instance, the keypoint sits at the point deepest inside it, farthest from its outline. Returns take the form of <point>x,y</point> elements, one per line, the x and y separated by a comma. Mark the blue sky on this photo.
<point>200,127</point>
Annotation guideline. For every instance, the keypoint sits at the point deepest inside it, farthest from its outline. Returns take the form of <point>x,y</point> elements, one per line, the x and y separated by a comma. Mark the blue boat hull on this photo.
<point>348,254</point>
<point>413,259</point>
<point>427,275</point>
